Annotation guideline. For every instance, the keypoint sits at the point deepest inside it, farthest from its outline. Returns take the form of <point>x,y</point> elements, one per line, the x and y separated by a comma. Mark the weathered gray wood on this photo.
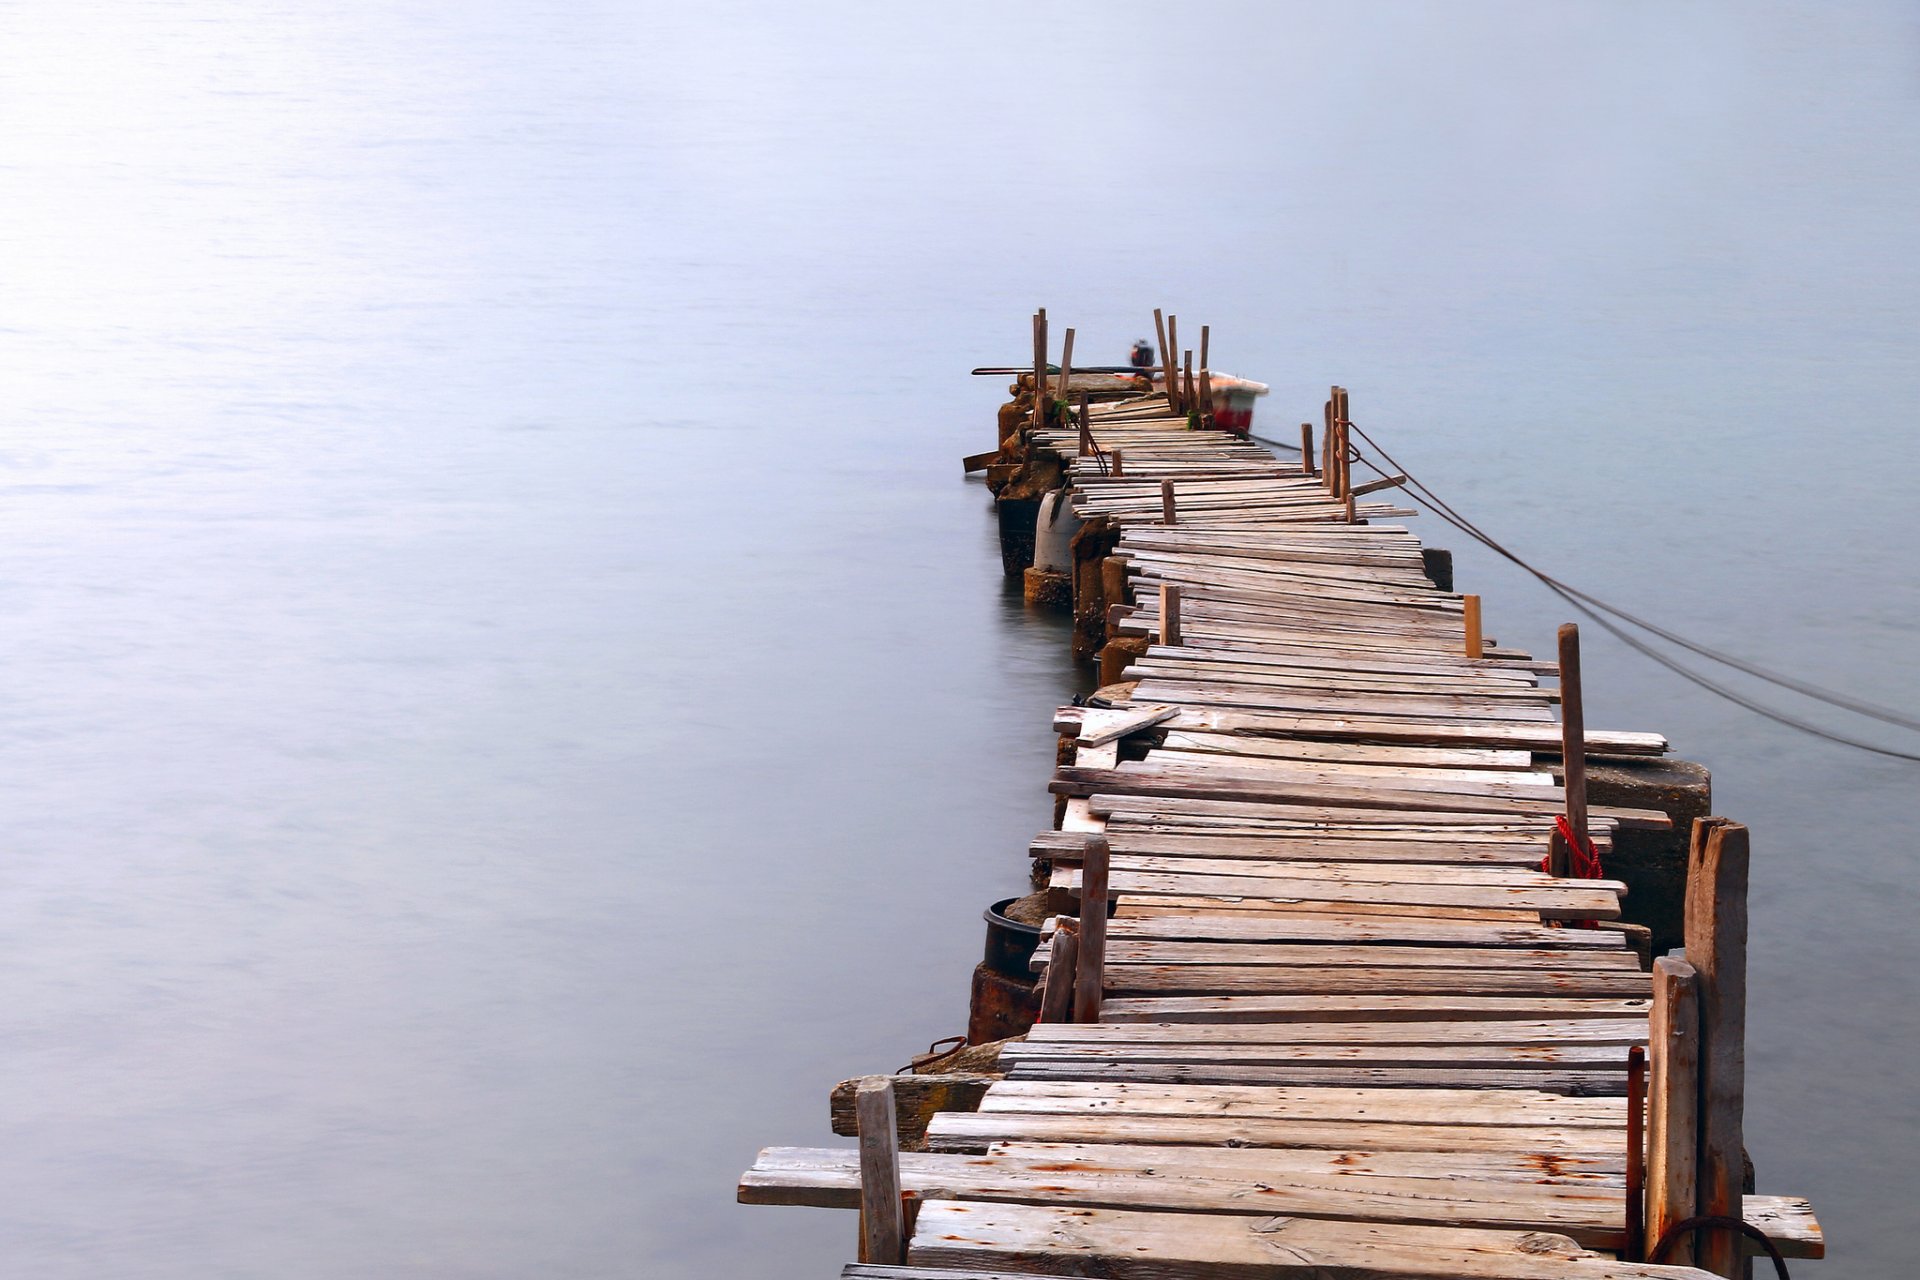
<point>1573,740</point>
<point>1063,963</point>
<point>883,1223</point>
<point>1716,933</point>
<point>1090,966</point>
<point>1673,1102</point>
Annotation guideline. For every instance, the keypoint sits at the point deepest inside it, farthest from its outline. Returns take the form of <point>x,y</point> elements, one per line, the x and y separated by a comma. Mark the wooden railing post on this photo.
<point>1056,996</point>
<point>1039,367</point>
<point>1114,457</point>
<point>1090,972</point>
<point>1470,610</point>
<point>1328,473</point>
<point>1306,449</point>
<point>1066,366</point>
<point>1716,939</point>
<point>1173,364</point>
<point>1673,1099</point>
<point>883,1218</point>
<point>1160,336</point>
<point>1573,744</point>
<point>1167,512</point>
<point>1169,614</point>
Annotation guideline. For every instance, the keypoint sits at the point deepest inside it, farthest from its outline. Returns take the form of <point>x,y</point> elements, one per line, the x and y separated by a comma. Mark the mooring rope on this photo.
<point>1606,616</point>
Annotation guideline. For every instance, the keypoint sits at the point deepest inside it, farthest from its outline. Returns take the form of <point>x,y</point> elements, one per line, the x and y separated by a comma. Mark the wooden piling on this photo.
<point>1114,458</point>
<point>1160,336</point>
<point>1189,394</point>
<point>1573,731</point>
<point>1476,643</point>
<point>1090,971</point>
<point>1066,365</point>
<point>883,1219</point>
<point>1716,941</point>
<point>1169,614</point>
<point>1306,448</point>
<point>1166,502</point>
<point>1673,1097</point>
<point>1039,367</point>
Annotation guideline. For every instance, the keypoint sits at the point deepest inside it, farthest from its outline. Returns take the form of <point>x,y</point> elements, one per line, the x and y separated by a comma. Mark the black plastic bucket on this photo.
<point>1010,944</point>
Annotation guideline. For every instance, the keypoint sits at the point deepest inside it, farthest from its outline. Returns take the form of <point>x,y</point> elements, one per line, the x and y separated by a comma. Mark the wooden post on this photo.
<point>1066,367</point>
<point>1306,448</point>
<point>1636,1249</point>
<point>1056,998</point>
<point>1039,367</point>
<point>1189,395</point>
<point>1173,364</point>
<point>1166,502</point>
<point>1673,1091</point>
<point>1352,512</point>
<point>1090,973</point>
<point>883,1218</point>
<point>1203,346</point>
<point>1169,614</point>
<point>1716,939</point>
<point>1326,446</point>
<point>1470,609</point>
<point>1160,336</point>
<point>1573,730</point>
<point>1086,426</point>
<point>1346,442</point>
<point>1114,457</point>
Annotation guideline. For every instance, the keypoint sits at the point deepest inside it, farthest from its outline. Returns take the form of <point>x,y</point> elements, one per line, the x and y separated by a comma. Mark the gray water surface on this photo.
<point>506,696</point>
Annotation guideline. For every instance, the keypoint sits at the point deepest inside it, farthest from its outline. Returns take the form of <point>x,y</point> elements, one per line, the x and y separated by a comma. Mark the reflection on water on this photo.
<point>508,697</point>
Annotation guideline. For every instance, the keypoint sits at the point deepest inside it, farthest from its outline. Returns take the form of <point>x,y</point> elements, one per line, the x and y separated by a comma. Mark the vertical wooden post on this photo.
<point>1056,998</point>
<point>1115,456</point>
<point>1346,442</point>
<point>1166,502</point>
<point>1039,367</point>
<point>1090,973</point>
<point>1189,395</point>
<point>1160,336</point>
<point>1086,426</point>
<point>1636,1249</point>
<point>1306,448</point>
<point>1066,366</point>
<point>1326,447</point>
<point>1573,730</point>
<point>1673,1090</point>
<point>1470,610</point>
<point>1352,512</point>
<point>1203,346</point>
<point>1173,364</point>
<point>1169,614</point>
<point>883,1218</point>
<point>1716,938</point>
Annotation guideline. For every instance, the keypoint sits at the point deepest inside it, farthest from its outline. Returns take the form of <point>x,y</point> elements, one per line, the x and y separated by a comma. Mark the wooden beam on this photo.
<point>1636,1244</point>
<point>1673,1104</point>
<point>1169,613</point>
<point>1090,968</point>
<point>1716,940</point>
<point>883,1220</point>
<point>1167,512</point>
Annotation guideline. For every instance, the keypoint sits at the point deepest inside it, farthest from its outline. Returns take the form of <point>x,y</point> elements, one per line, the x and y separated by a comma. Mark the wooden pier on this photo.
<point>1325,993</point>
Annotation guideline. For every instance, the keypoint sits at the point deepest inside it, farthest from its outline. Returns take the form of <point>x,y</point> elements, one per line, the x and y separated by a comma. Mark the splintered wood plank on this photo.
<point>1229,979</point>
<point>1263,927</point>
<point>1402,1106</point>
<point>1569,1080</point>
<point>1366,1008</point>
<point>1567,899</point>
<point>1620,1032</point>
<point>1313,847</point>
<point>1590,1210</point>
<point>1137,1245</point>
<point>978,1131</point>
<point>1125,951</point>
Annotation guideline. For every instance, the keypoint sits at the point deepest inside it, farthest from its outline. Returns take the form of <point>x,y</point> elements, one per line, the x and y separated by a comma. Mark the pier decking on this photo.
<point>1332,1013</point>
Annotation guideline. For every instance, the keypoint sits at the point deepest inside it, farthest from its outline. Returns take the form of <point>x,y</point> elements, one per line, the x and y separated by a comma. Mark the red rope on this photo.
<point>1585,862</point>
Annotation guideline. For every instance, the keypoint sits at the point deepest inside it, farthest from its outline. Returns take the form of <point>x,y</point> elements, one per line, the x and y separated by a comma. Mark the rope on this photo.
<point>1585,860</point>
<point>1602,614</point>
<point>1703,1222</point>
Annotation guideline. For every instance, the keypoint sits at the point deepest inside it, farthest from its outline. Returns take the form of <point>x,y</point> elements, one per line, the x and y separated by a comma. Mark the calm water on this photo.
<point>507,697</point>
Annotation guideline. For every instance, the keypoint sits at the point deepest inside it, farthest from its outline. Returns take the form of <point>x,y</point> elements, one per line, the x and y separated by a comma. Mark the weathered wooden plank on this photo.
<point>1366,1008</point>
<point>1136,1245</point>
